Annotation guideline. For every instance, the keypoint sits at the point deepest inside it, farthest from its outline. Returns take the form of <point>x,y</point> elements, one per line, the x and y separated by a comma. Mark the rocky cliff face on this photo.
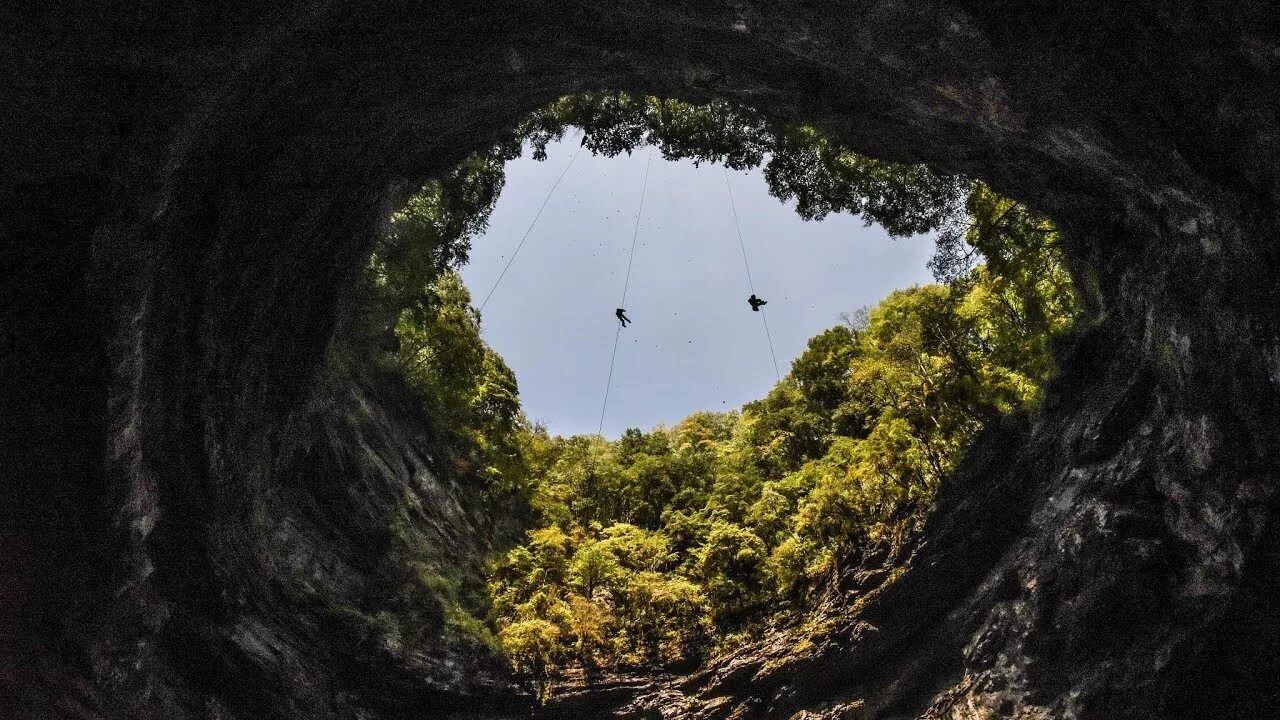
<point>364,551</point>
<point>189,191</point>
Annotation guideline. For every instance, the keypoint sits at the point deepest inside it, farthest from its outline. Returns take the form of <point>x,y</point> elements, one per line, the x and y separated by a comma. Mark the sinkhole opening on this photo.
<point>920,309</point>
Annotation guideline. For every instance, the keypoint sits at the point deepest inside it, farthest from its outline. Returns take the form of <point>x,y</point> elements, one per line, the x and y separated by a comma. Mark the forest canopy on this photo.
<point>664,545</point>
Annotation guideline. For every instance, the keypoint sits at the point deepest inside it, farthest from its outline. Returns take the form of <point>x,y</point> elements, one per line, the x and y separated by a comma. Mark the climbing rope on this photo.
<point>528,230</point>
<point>751,283</point>
<point>625,286</point>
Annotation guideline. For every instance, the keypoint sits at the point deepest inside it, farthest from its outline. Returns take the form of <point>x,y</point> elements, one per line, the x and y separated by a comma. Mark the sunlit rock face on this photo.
<point>188,194</point>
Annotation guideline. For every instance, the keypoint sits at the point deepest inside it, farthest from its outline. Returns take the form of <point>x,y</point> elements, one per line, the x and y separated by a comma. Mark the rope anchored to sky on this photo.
<point>750,283</point>
<point>625,286</point>
<point>542,207</point>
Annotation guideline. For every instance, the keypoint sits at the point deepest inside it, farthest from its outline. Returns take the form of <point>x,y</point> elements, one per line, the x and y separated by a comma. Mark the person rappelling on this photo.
<point>621,314</point>
<point>756,302</point>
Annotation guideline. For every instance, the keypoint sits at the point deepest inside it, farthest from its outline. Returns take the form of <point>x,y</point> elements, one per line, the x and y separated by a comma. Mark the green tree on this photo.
<point>594,567</point>
<point>731,567</point>
<point>533,646</point>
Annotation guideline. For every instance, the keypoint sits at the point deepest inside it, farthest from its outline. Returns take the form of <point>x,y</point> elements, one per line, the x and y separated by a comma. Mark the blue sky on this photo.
<point>695,344</point>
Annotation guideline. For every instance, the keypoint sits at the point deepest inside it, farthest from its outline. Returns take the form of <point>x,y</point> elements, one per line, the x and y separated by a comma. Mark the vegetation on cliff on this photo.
<point>665,544</point>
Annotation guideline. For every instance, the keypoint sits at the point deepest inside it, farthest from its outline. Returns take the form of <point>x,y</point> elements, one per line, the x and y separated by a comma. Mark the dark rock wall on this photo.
<point>189,190</point>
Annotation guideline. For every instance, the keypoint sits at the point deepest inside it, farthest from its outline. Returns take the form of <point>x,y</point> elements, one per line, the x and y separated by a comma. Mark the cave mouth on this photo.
<point>662,548</point>
<point>692,343</point>
<point>195,191</point>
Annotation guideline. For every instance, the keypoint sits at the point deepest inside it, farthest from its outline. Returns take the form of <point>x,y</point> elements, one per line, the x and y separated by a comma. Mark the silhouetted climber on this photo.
<point>755,302</point>
<point>622,316</point>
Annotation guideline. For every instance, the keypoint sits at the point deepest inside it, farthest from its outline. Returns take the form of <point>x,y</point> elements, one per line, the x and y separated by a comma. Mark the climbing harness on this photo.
<point>626,284</point>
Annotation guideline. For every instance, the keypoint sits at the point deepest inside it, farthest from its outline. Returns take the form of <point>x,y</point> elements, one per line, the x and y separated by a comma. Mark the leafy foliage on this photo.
<point>654,547</point>
<point>416,309</point>
<point>659,546</point>
<point>801,163</point>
